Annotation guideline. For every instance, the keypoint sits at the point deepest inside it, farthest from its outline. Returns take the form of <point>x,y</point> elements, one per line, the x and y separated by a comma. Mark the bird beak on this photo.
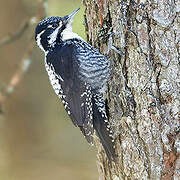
<point>71,16</point>
<point>69,19</point>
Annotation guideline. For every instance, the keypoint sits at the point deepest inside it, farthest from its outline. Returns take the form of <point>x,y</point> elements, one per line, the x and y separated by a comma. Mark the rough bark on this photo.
<point>144,90</point>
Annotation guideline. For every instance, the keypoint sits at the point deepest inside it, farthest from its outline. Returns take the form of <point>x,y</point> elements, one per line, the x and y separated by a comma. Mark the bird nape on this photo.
<point>78,74</point>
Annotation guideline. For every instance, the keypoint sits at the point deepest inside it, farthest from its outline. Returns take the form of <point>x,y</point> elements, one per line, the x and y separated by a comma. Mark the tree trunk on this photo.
<point>144,90</point>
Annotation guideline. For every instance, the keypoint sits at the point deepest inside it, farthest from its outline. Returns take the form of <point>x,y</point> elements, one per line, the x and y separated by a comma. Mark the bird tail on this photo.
<point>103,131</point>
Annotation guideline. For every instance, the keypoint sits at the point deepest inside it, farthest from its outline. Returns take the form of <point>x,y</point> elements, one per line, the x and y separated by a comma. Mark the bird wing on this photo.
<point>77,75</point>
<point>76,95</point>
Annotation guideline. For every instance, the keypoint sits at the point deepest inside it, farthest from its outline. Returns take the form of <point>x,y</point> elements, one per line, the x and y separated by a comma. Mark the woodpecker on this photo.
<point>78,74</point>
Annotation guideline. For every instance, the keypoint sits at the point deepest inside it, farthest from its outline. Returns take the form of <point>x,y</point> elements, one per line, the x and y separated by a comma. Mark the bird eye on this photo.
<point>55,25</point>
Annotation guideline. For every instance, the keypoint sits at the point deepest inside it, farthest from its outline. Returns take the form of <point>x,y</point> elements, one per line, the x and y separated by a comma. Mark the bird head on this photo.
<point>53,30</point>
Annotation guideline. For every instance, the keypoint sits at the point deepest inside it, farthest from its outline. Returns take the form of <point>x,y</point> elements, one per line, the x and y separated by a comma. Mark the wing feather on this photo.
<point>76,95</point>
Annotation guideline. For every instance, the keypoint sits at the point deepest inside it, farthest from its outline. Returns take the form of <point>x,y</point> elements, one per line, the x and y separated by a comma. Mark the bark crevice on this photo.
<point>143,93</point>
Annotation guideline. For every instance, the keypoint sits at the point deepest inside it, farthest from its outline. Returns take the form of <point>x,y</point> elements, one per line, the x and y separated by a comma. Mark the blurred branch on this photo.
<point>12,37</point>
<point>16,78</point>
<point>26,59</point>
<point>42,12</point>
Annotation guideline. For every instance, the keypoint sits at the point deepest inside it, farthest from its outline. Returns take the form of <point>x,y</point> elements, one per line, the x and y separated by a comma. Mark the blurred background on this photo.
<point>37,139</point>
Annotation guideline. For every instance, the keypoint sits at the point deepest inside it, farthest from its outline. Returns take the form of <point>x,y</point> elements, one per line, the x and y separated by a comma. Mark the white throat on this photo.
<point>68,34</point>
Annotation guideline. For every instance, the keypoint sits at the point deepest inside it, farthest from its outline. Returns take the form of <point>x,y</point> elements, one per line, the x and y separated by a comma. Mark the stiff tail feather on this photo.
<point>103,131</point>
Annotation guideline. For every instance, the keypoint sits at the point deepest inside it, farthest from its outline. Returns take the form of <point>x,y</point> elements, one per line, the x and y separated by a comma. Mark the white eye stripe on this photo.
<point>49,26</point>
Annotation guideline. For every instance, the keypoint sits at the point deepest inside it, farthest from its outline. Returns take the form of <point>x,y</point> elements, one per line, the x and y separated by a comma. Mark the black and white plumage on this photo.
<point>78,74</point>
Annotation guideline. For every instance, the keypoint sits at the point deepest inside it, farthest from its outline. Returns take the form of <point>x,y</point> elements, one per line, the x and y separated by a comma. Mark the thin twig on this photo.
<point>18,75</point>
<point>12,37</point>
<point>42,12</point>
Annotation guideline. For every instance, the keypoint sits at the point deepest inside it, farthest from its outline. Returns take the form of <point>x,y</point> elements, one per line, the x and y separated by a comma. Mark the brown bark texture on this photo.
<point>144,89</point>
